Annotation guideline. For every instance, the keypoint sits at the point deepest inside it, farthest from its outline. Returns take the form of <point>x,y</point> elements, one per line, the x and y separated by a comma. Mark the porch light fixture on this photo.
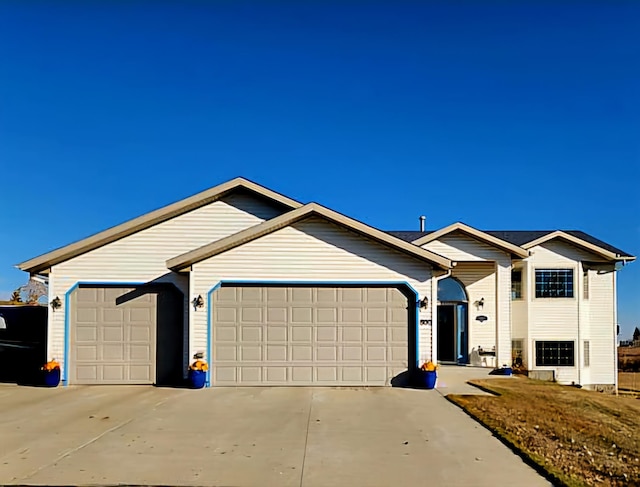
<point>480,303</point>
<point>424,303</point>
<point>56,303</point>
<point>198,302</point>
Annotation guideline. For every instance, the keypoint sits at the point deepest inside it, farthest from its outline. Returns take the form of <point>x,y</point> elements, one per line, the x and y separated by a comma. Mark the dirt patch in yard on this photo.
<point>577,437</point>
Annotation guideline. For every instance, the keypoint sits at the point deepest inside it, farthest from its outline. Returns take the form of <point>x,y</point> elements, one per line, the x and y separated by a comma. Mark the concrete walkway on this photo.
<point>247,437</point>
<point>452,379</point>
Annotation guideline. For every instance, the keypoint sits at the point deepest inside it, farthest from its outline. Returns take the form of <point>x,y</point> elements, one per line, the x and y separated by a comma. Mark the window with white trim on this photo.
<point>555,353</point>
<point>585,284</point>
<point>586,359</point>
<point>516,284</point>
<point>554,283</point>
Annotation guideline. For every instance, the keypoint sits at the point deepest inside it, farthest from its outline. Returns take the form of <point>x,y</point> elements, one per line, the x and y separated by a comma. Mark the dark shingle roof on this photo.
<point>521,237</point>
<point>408,236</point>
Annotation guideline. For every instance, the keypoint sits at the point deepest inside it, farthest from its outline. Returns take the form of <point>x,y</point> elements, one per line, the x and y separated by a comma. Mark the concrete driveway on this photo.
<point>247,436</point>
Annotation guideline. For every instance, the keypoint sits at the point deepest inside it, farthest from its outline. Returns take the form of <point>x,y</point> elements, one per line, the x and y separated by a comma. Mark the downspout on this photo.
<point>615,330</point>
<point>579,297</point>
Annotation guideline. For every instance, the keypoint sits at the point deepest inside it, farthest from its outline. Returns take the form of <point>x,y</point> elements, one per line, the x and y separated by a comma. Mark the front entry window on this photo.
<point>450,290</point>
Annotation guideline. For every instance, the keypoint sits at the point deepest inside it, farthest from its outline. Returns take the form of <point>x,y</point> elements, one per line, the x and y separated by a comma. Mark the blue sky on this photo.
<point>505,115</point>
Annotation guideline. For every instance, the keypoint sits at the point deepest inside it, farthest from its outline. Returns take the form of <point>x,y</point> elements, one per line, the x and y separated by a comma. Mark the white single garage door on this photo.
<point>125,335</point>
<point>292,335</point>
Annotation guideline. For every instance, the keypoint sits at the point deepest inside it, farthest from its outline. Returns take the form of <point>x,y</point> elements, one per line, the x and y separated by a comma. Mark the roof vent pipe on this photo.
<point>422,220</point>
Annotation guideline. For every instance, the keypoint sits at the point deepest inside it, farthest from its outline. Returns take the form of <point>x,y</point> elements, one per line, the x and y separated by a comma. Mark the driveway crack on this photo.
<point>306,440</point>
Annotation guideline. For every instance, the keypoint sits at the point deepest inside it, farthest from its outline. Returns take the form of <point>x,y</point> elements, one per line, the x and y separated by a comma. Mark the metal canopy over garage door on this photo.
<point>125,335</point>
<point>278,335</point>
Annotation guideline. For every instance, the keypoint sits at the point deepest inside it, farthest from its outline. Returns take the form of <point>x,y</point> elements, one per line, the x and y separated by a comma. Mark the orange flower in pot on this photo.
<point>198,372</point>
<point>51,372</point>
<point>428,374</point>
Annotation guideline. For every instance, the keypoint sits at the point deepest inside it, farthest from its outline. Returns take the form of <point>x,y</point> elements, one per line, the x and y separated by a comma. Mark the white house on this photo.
<point>275,292</point>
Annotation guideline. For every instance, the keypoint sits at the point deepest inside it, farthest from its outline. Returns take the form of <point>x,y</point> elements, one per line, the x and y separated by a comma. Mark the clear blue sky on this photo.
<point>505,115</point>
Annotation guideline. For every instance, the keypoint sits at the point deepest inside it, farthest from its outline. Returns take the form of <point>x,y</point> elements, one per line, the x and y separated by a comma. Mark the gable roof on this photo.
<point>475,233</point>
<point>183,261</point>
<point>615,254</point>
<point>523,238</point>
<point>43,262</point>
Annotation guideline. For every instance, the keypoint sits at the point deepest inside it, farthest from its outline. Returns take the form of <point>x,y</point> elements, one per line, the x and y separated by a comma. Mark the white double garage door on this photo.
<point>259,335</point>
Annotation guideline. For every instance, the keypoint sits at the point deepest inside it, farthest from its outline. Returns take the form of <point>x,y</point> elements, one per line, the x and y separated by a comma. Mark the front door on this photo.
<point>446,333</point>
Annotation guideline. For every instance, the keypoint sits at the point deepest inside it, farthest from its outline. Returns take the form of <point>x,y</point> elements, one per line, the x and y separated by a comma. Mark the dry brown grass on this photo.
<point>629,381</point>
<point>578,437</point>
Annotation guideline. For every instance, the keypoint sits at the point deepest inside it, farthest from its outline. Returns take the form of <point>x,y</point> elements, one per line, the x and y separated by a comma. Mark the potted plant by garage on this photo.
<point>428,374</point>
<point>51,373</point>
<point>197,372</point>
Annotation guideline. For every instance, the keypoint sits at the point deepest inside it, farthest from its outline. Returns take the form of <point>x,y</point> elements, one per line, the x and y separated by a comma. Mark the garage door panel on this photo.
<point>326,315</point>
<point>86,352</point>
<point>301,353</point>
<point>326,353</point>
<point>277,315</point>
<point>305,336</point>
<point>87,373</point>
<point>276,333</point>
<point>355,295</point>
<point>250,353</point>
<point>301,294</point>
<point>113,372</point>
<point>275,374</point>
<point>398,334</point>
<point>326,333</point>
<point>376,334</point>
<point>276,294</point>
<point>351,354</point>
<point>302,375</point>
<point>112,333</point>
<point>251,315</point>
<point>226,354</point>
<point>352,334</point>
<point>326,295</point>
<point>225,334</point>
<point>226,315</point>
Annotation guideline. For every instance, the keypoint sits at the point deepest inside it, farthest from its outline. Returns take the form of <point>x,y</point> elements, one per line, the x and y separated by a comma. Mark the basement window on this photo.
<point>555,353</point>
<point>554,283</point>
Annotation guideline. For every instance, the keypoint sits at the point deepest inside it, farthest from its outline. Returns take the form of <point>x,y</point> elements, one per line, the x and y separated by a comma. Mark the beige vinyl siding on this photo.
<point>311,251</point>
<point>142,257</point>
<point>479,280</point>
<point>559,318</point>
<point>554,318</point>
<point>602,327</point>
<point>461,248</point>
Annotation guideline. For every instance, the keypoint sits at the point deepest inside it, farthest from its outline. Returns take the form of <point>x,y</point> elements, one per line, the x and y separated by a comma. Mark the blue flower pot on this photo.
<point>429,379</point>
<point>197,379</point>
<point>52,378</point>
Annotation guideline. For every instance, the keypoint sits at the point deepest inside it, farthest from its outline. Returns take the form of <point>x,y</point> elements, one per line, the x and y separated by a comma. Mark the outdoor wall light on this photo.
<point>56,303</point>
<point>198,302</point>
<point>424,303</point>
<point>480,303</point>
